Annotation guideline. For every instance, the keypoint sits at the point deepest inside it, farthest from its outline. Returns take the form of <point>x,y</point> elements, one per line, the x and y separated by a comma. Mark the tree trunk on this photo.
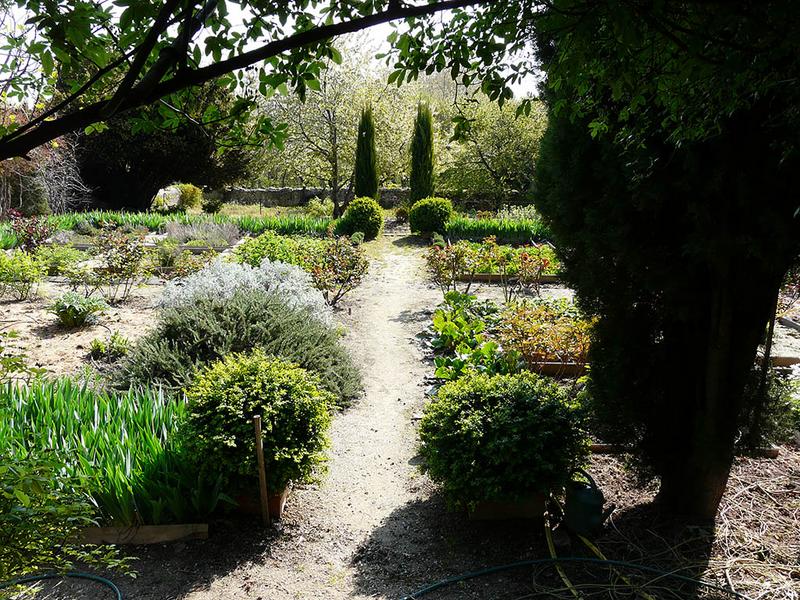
<point>712,361</point>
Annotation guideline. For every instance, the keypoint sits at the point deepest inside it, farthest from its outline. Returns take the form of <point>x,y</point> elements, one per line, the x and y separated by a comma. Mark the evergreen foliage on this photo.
<point>295,415</point>
<point>504,437</point>
<point>366,170</point>
<point>363,214</point>
<point>430,215</point>
<point>187,338</point>
<point>421,183</point>
<point>694,259</point>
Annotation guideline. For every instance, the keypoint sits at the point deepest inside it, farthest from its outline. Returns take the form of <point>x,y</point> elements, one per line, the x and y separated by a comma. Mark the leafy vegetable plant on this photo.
<point>74,310</point>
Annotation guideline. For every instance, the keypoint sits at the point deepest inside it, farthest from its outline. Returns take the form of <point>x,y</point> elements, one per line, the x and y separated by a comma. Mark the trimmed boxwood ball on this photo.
<point>191,196</point>
<point>430,215</point>
<point>501,438</point>
<point>364,215</point>
<point>294,409</point>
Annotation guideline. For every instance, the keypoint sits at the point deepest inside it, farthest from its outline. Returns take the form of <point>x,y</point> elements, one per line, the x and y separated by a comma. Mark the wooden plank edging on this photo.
<point>783,361</point>
<point>787,322</point>
<point>496,278</point>
<point>145,534</point>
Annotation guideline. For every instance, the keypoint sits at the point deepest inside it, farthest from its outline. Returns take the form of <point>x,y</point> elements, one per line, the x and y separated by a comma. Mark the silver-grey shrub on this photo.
<point>213,234</point>
<point>187,338</point>
<point>223,279</point>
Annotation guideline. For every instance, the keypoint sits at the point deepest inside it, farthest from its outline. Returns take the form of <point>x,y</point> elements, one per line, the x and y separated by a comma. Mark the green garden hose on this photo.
<point>553,561</point>
<point>72,575</point>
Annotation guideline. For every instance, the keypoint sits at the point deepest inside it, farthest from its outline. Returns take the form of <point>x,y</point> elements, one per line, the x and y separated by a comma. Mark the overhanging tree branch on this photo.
<point>159,26</point>
<point>147,91</point>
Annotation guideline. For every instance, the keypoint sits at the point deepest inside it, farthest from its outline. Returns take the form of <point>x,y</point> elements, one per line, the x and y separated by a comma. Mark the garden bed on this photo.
<point>62,351</point>
<point>498,278</point>
<point>153,246</point>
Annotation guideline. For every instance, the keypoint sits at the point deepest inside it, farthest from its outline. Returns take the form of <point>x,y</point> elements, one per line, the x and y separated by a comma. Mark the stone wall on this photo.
<point>389,197</point>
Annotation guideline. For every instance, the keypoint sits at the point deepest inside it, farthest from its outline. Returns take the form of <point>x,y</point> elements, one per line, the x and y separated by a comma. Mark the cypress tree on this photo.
<point>366,174</point>
<point>422,155</point>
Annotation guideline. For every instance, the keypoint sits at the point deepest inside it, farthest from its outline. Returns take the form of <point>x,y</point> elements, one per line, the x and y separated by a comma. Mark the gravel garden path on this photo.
<point>370,528</point>
<point>373,527</point>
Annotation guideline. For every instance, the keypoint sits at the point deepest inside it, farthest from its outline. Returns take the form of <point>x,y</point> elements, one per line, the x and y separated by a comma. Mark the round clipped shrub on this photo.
<point>190,196</point>
<point>295,413</point>
<point>430,215</point>
<point>212,202</point>
<point>364,215</point>
<point>501,438</point>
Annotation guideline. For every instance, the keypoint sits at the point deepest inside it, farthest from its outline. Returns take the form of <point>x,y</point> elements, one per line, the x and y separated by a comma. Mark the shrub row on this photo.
<point>436,215</point>
<point>518,231</point>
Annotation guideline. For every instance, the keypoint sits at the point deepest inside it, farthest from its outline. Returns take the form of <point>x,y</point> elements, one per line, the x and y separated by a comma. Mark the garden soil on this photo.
<point>61,351</point>
<point>374,527</point>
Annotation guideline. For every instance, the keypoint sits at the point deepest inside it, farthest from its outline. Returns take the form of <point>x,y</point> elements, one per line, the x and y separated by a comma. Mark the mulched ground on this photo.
<point>753,547</point>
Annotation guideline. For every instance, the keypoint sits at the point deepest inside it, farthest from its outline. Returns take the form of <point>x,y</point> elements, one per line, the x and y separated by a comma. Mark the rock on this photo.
<point>167,199</point>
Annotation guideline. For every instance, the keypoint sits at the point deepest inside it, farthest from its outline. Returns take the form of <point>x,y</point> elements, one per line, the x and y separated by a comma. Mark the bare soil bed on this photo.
<point>63,351</point>
<point>376,528</point>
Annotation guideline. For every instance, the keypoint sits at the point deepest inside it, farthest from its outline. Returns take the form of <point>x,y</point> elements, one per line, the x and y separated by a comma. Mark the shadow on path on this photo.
<point>409,241</point>
<point>421,543</point>
<point>170,571</point>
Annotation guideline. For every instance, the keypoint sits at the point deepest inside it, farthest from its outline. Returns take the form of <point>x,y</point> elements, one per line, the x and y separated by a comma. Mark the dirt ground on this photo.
<point>376,528</point>
<point>62,351</point>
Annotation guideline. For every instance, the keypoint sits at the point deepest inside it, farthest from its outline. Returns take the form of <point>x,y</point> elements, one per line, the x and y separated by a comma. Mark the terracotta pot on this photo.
<point>250,504</point>
<point>495,510</point>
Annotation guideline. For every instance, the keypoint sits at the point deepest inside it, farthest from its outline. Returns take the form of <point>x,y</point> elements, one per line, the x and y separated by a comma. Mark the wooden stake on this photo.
<point>262,471</point>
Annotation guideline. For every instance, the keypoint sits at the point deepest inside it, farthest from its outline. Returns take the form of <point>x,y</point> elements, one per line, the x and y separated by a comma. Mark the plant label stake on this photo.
<point>262,471</point>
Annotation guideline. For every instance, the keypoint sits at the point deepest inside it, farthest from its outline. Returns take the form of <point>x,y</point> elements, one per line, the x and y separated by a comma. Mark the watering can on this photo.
<point>583,509</point>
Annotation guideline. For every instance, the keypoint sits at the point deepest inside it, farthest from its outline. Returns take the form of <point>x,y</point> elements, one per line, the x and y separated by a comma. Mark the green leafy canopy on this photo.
<point>82,62</point>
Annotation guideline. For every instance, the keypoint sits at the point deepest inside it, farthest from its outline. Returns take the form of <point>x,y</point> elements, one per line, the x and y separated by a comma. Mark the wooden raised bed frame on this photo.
<point>556,369</point>
<point>144,534</point>
<point>499,510</point>
<point>496,278</point>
